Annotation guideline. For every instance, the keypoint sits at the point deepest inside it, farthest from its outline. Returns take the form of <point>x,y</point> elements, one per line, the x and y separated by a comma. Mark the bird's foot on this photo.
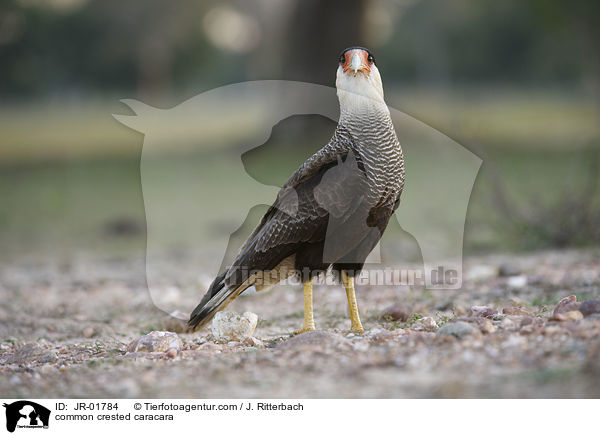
<point>357,329</point>
<point>305,329</point>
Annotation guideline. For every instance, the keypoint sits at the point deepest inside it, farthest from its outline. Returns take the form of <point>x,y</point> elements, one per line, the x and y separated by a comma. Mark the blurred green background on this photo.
<point>517,82</point>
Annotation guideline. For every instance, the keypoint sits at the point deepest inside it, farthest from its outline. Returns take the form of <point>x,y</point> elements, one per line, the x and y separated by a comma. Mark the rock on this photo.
<point>569,315</point>
<point>508,269</point>
<point>526,321</point>
<point>590,307</point>
<point>156,341</point>
<point>231,326</point>
<point>517,281</point>
<point>457,329</point>
<point>571,306</point>
<point>527,329</point>
<point>565,305</point>
<point>516,311</point>
<point>483,311</point>
<point>397,312</point>
<point>49,358</point>
<point>253,342</point>
<point>564,302</point>
<point>460,310</point>
<point>425,324</point>
<point>212,347</point>
<point>174,324</point>
<point>172,353</point>
<point>486,325</point>
<point>88,332</point>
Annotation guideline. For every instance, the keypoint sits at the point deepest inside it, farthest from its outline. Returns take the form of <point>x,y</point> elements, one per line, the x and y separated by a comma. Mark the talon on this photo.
<point>303,330</point>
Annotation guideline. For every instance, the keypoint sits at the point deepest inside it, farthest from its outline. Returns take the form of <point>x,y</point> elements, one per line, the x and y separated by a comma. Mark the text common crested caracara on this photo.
<point>333,209</point>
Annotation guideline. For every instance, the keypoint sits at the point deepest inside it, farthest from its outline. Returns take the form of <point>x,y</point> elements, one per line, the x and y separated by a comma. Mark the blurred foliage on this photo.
<point>65,47</point>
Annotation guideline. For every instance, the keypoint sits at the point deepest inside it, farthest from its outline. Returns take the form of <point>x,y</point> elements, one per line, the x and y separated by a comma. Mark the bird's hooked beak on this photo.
<point>356,61</point>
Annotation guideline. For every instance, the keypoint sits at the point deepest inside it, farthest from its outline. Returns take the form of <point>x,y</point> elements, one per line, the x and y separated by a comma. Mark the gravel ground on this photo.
<point>67,325</point>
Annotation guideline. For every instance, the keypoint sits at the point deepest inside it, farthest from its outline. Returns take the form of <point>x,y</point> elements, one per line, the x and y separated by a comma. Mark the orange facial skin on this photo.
<point>364,57</point>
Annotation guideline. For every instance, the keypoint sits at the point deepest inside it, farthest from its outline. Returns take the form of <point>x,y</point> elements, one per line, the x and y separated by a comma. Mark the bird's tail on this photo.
<point>219,295</point>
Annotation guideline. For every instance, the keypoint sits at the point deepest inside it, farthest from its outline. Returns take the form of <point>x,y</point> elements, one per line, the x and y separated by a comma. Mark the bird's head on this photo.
<point>358,78</point>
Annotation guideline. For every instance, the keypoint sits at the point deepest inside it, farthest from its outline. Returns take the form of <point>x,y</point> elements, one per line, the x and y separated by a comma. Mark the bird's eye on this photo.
<point>370,58</point>
<point>342,58</point>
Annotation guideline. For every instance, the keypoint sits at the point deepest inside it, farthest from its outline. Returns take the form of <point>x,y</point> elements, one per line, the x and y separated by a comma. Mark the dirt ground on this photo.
<point>66,325</point>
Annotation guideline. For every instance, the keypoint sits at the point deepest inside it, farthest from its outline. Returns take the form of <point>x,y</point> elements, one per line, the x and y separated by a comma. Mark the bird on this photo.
<point>334,208</point>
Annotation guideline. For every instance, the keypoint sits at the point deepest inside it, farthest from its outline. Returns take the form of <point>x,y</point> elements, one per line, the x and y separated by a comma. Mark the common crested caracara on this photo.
<point>333,209</point>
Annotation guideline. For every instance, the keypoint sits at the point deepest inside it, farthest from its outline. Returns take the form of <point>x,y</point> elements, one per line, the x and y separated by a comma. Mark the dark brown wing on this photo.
<point>301,211</point>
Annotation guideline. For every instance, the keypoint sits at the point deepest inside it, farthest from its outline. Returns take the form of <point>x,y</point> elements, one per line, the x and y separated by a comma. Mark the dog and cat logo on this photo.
<point>26,414</point>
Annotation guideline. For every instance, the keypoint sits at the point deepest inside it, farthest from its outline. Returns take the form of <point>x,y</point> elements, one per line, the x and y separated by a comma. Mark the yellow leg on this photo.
<point>309,321</point>
<point>354,318</point>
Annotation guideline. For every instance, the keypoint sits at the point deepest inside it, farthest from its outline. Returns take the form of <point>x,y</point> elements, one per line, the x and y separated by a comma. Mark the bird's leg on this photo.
<point>309,321</point>
<point>352,306</point>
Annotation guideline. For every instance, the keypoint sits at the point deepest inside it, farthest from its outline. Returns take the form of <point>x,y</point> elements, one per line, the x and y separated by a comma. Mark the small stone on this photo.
<point>460,310</point>
<point>526,321</point>
<point>49,358</point>
<point>210,347</point>
<point>527,329</point>
<point>156,341</point>
<point>230,326</point>
<point>560,307</point>
<point>516,311</point>
<point>486,325</point>
<point>572,306</point>
<point>172,353</point>
<point>457,329</point>
<point>508,269</point>
<point>569,316</point>
<point>397,312</point>
<point>174,324</point>
<point>425,324</point>
<point>253,342</point>
<point>553,330</point>
<point>88,332</point>
<point>483,311</point>
<point>517,281</point>
<point>507,323</point>
<point>590,307</point>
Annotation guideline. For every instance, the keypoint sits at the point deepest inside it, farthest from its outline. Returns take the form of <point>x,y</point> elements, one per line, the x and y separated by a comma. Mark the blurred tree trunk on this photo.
<point>306,38</point>
<point>317,32</point>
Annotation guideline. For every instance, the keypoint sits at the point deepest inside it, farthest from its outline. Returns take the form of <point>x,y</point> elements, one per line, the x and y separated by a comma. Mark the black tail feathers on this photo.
<point>205,310</point>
